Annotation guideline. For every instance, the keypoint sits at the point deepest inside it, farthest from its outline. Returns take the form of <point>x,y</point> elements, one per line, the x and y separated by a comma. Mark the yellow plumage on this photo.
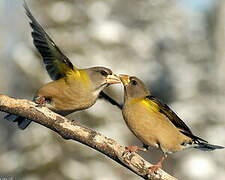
<point>150,105</point>
<point>154,123</point>
<point>72,89</point>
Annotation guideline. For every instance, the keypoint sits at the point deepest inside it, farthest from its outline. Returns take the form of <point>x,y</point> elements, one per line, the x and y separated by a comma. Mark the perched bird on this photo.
<point>72,89</point>
<point>155,124</point>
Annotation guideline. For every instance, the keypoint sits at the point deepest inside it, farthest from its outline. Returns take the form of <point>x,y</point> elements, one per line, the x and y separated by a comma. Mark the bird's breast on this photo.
<point>152,128</point>
<point>137,119</point>
<point>68,97</point>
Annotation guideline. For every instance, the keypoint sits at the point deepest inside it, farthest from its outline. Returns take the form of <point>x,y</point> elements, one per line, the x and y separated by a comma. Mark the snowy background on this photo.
<point>175,47</point>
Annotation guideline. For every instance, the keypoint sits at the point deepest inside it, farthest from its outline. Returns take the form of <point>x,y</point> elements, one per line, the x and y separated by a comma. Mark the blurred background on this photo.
<point>176,47</point>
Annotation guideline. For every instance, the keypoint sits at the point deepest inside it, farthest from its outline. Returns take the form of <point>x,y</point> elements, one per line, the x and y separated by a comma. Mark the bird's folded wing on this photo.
<point>56,63</point>
<point>164,109</point>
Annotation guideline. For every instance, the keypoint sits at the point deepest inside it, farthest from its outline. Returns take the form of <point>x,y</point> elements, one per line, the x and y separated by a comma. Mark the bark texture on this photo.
<point>72,130</point>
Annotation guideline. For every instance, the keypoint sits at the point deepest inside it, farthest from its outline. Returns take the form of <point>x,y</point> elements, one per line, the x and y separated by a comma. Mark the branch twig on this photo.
<point>72,130</point>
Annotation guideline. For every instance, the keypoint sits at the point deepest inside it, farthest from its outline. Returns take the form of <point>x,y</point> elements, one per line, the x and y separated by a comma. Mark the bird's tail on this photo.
<point>207,147</point>
<point>22,122</point>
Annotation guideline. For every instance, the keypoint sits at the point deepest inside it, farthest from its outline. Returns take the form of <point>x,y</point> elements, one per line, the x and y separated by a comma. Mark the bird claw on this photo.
<point>134,149</point>
<point>155,168</point>
<point>40,101</point>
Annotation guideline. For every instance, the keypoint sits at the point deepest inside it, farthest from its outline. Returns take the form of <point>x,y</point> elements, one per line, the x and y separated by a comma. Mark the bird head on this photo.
<point>101,77</point>
<point>133,87</point>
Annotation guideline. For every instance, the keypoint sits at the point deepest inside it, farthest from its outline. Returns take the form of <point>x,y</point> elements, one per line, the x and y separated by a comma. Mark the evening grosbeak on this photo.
<point>72,89</point>
<point>155,124</point>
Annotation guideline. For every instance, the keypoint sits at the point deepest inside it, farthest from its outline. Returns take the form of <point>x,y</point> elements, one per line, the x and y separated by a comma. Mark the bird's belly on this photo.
<point>68,99</point>
<point>154,130</point>
<point>73,102</point>
<point>143,130</point>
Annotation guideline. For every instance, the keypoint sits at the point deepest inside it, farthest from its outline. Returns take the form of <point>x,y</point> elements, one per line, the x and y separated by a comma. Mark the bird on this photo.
<point>155,124</point>
<point>72,89</point>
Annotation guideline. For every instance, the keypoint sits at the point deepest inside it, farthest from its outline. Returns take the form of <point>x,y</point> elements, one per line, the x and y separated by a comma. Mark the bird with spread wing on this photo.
<point>72,89</point>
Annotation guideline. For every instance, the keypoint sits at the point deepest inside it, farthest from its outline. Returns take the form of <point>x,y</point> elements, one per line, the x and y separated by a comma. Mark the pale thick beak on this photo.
<point>113,79</point>
<point>125,79</point>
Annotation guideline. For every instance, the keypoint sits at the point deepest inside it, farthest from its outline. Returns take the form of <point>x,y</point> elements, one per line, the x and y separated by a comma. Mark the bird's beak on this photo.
<point>113,79</point>
<point>125,79</point>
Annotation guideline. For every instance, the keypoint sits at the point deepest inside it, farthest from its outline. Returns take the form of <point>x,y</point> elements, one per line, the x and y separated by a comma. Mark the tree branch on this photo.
<point>72,130</point>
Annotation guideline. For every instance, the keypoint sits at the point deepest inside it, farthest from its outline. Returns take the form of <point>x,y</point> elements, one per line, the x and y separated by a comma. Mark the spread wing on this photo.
<point>56,63</point>
<point>164,109</point>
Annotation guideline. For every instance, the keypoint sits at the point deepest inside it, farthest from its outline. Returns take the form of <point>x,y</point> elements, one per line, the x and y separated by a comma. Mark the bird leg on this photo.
<point>40,100</point>
<point>157,166</point>
<point>134,149</point>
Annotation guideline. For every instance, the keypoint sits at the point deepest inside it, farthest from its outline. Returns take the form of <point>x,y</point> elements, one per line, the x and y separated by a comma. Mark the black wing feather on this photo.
<point>56,63</point>
<point>164,109</point>
<point>109,99</point>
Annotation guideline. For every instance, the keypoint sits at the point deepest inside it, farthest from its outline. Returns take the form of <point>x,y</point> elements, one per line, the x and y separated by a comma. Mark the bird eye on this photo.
<point>104,73</point>
<point>133,82</point>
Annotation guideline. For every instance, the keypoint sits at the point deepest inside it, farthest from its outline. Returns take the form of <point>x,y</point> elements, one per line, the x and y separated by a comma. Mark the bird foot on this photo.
<point>40,101</point>
<point>134,149</point>
<point>155,168</point>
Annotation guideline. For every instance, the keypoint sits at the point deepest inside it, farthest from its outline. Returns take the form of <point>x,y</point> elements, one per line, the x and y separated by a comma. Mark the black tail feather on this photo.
<point>22,122</point>
<point>207,147</point>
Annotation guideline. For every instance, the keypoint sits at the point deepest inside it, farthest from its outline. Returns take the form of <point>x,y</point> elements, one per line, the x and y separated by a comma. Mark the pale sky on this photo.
<point>199,4</point>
